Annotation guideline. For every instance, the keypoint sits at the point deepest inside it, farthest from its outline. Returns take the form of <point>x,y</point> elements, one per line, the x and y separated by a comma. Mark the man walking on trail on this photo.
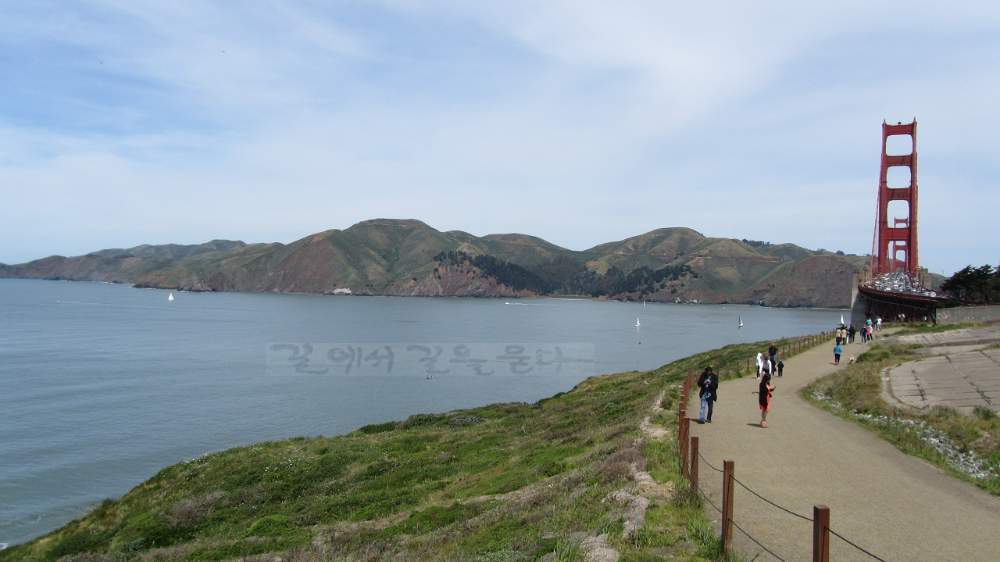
<point>708,382</point>
<point>772,352</point>
<point>765,398</point>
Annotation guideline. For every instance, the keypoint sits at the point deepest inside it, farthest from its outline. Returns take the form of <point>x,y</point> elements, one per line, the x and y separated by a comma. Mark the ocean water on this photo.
<point>103,385</point>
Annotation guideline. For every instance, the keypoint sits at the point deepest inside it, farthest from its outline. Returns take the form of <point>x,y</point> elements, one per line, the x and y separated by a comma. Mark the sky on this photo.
<point>125,123</point>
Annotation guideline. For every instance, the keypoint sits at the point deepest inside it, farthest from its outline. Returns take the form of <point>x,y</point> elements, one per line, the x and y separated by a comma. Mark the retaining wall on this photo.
<point>968,314</point>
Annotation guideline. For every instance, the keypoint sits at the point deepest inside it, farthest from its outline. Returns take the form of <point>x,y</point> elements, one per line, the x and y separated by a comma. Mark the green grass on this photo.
<point>503,482</point>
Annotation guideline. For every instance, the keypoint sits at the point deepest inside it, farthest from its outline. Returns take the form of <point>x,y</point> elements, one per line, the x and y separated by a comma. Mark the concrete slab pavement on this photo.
<point>956,374</point>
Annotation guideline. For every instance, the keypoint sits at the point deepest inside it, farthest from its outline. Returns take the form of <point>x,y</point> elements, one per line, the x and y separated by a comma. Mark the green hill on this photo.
<point>405,258</point>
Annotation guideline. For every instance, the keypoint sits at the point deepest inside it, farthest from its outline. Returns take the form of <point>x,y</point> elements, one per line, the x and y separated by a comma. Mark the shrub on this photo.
<point>984,413</point>
<point>275,526</point>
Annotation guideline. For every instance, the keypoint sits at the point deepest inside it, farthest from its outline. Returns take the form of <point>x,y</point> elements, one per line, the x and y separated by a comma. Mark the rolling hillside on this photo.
<point>410,258</point>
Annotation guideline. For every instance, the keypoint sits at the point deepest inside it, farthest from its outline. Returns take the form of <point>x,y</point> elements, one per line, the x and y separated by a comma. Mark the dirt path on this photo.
<point>895,506</point>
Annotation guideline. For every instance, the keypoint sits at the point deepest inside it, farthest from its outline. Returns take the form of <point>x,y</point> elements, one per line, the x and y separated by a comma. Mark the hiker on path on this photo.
<point>772,353</point>
<point>765,398</point>
<point>764,367</point>
<point>781,368</point>
<point>708,382</point>
<point>837,350</point>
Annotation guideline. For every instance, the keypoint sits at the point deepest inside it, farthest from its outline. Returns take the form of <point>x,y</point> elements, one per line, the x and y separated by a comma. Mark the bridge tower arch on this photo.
<point>894,247</point>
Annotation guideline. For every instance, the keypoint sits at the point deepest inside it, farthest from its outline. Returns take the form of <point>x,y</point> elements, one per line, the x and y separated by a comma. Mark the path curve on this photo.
<point>897,507</point>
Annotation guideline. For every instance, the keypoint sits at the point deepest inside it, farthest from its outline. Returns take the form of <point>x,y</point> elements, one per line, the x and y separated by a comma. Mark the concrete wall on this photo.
<point>968,314</point>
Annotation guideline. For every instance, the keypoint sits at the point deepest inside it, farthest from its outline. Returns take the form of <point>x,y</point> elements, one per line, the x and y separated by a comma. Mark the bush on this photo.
<point>77,543</point>
<point>378,428</point>
<point>275,526</point>
<point>984,413</point>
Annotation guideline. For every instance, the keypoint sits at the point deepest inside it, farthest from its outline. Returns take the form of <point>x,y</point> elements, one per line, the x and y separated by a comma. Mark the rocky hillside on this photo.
<point>409,258</point>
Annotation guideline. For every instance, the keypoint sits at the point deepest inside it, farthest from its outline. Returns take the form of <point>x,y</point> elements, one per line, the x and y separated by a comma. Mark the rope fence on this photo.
<point>841,537</point>
<point>786,510</point>
<point>755,541</point>
<point>704,460</point>
<point>687,443</point>
<point>710,502</point>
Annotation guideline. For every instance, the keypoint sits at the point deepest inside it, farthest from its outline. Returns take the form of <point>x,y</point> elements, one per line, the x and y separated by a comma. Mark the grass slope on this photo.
<point>504,482</point>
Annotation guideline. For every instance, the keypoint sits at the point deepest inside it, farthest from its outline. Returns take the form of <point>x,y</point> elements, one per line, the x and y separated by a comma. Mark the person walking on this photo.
<point>708,382</point>
<point>837,350</point>
<point>764,398</point>
<point>772,353</point>
<point>766,366</point>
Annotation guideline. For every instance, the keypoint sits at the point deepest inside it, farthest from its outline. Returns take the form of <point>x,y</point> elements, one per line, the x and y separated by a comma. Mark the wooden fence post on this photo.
<point>694,464</point>
<point>821,533</point>
<point>685,431</point>
<point>728,474</point>
<point>681,416</point>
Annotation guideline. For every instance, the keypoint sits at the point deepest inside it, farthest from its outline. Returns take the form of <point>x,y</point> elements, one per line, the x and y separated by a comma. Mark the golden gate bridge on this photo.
<point>894,286</point>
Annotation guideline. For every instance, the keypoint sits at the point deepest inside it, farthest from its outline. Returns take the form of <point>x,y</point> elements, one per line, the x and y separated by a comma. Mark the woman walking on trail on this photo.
<point>765,398</point>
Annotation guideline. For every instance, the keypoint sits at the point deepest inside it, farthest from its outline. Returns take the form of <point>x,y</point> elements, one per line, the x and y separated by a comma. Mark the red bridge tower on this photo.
<point>895,245</point>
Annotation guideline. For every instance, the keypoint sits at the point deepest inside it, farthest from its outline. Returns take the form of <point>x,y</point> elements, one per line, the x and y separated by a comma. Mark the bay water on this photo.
<point>103,385</point>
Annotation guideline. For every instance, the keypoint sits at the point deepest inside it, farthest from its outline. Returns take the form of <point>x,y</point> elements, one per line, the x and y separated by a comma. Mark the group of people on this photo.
<point>867,330</point>
<point>770,364</point>
<point>846,334</point>
<point>708,383</point>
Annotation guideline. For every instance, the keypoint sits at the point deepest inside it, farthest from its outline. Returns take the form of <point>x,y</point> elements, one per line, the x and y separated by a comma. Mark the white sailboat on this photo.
<point>842,320</point>
<point>171,297</point>
<point>741,322</point>
<point>637,327</point>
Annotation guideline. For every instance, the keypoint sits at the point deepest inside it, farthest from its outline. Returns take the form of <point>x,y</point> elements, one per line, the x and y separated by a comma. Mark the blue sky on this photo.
<point>125,123</point>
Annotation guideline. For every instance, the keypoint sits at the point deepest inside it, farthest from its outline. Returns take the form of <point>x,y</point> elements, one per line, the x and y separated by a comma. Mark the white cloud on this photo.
<point>578,122</point>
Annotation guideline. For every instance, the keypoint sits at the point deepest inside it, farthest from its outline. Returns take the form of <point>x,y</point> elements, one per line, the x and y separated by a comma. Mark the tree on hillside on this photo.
<point>505,273</point>
<point>974,285</point>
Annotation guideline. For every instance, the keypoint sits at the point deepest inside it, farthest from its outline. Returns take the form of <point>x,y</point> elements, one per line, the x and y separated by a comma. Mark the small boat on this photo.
<point>171,297</point>
<point>741,322</point>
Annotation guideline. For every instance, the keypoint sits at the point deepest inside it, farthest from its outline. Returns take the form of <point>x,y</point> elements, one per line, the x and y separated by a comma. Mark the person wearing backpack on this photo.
<point>708,382</point>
